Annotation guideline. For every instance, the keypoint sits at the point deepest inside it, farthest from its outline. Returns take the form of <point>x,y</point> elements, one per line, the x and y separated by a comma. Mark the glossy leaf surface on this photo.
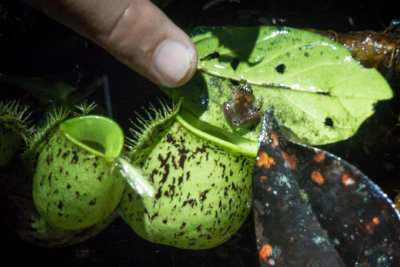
<point>312,208</point>
<point>320,94</point>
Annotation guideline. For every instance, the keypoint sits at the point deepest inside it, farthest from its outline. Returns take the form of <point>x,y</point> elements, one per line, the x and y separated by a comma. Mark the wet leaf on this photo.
<point>312,208</point>
<point>320,94</point>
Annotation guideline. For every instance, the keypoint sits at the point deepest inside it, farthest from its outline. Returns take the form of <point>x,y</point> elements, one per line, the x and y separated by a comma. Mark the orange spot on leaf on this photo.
<point>265,251</point>
<point>275,140</point>
<point>319,156</point>
<point>347,180</point>
<point>263,178</point>
<point>371,225</point>
<point>317,177</point>
<point>290,159</point>
<point>264,160</point>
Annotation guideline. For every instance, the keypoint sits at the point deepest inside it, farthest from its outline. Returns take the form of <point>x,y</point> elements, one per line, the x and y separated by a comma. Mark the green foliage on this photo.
<point>319,92</point>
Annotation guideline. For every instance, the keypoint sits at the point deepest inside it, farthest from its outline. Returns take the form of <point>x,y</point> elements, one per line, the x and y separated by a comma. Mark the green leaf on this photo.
<point>319,92</point>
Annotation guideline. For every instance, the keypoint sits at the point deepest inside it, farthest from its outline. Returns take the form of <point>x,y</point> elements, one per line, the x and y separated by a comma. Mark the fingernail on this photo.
<point>172,61</point>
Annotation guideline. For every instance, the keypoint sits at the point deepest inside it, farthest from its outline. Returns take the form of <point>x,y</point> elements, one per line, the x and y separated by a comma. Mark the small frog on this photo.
<point>242,111</point>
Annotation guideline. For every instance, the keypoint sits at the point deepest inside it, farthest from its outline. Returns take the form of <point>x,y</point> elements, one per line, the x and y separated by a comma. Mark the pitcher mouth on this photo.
<point>98,135</point>
<point>211,133</point>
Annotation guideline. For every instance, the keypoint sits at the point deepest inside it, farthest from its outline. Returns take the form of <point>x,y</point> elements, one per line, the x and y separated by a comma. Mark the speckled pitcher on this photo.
<point>75,185</point>
<point>13,130</point>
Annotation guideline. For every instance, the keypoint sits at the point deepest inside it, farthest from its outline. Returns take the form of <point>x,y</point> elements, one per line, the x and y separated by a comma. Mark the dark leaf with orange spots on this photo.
<point>312,208</point>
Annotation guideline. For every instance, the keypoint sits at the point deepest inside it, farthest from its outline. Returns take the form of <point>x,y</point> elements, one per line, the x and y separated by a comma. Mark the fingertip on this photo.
<point>174,62</point>
<point>135,32</point>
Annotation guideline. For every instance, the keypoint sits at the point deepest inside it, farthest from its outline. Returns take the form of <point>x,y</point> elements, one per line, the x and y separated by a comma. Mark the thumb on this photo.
<point>136,32</point>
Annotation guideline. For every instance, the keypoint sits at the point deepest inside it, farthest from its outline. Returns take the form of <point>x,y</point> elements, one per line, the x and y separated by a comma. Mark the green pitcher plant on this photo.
<point>14,130</point>
<point>75,185</point>
<point>16,184</point>
<point>202,188</point>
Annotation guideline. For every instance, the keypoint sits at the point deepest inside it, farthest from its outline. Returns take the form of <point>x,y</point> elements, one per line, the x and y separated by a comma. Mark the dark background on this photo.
<point>33,45</point>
